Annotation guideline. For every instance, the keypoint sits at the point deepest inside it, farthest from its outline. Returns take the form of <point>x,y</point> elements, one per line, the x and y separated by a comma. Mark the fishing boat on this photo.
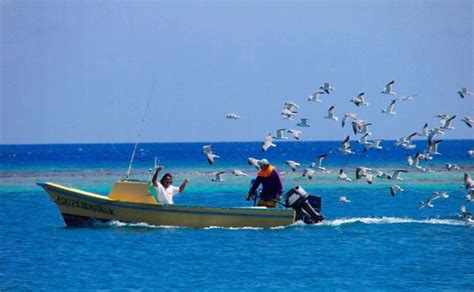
<point>131,201</point>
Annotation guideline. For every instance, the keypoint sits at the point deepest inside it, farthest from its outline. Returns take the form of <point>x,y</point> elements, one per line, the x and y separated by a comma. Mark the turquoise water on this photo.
<point>375,242</point>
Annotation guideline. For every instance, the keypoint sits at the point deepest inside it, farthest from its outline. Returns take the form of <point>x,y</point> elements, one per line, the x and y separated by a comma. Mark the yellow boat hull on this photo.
<point>80,208</point>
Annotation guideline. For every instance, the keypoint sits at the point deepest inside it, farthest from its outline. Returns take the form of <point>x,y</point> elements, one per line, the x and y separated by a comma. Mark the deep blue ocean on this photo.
<point>374,242</point>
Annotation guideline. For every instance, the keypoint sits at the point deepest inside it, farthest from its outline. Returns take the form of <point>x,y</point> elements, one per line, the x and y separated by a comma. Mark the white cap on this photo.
<point>263,162</point>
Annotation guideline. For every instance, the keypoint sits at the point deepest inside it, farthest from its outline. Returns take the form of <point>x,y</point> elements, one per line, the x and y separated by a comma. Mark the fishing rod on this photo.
<point>140,129</point>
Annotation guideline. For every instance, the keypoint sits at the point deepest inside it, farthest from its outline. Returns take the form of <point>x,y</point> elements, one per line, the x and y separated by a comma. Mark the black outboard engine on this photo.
<point>307,207</point>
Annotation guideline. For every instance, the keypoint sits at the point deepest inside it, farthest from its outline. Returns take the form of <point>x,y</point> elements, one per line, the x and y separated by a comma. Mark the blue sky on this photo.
<point>83,71</point>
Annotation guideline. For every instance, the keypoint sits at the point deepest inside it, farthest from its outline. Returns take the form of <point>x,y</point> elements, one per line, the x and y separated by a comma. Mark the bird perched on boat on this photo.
<point>308,172</point>
<point>408,97</point>
<point>429,202</point>
<point>292,164</point>
<point>346,117</point>
<point>346,147</point>
<point>237,172</point>
<point>319,159</point>
<point>327,87</point>
<point>332,114</point>
<point>218,176</point>
<point>468,182</point>
<point>279,135</point>
<point>343,176</point>
<point>268,142</point>
<point>390,107</point>
<point>466,216</point>
<point>468,121</point>
<point>452,166</point>
<point>395,189</point>
<point>295,133</point>
<point>364,172</point>
<point>304,123</point>
<point>359,100</point>
<point>232,116</point>
<point>315,96</point>
<point>254,162</point>
<point>387,89</point>
<point>343,199</point>
<point>463,92</point>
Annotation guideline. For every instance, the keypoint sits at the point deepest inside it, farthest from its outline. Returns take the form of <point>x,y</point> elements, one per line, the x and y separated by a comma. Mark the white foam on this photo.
<point>115,223</point>
<point>390,220</point>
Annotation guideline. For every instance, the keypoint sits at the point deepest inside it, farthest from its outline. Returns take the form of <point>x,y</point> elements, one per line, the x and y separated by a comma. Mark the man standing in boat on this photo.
<point>164,188</point>
<point>272,187</point>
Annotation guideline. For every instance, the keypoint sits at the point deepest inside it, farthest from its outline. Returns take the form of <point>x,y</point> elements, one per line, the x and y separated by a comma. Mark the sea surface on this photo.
<point>374,242</point>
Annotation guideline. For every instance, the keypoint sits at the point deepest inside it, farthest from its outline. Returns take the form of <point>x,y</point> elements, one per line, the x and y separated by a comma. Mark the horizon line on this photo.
<point>191,142</point>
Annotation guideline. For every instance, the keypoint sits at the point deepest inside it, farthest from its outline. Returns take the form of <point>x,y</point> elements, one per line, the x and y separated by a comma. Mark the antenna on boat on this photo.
<point>139,131</point>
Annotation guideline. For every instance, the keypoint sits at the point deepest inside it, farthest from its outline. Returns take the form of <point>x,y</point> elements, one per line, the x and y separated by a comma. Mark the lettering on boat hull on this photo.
<point>60,200</point>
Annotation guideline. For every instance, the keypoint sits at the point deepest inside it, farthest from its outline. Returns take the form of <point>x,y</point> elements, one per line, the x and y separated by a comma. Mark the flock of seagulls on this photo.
<point>362,127</point>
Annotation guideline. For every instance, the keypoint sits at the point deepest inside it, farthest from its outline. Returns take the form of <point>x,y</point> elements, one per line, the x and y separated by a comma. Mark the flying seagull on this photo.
<point>388,88</point>
<point>435,196</point>
<point>463,92</point>
<point>320,159</point>
<point>308,172</point>
<point>295,133</point>
<point>468,121</point>
<point>346,117</point>
<point>408,97</point>
<point>279,135</point>
<point>254,162</point>
<point>232,116</point>
<point>304,123</point>
<point>327,87</point>
<point>331,114</point>
<point>346,146</point>
<point>364,172</point>
<point>218,176</point>
<point>344,200</point>
<point>468,182</point>
<point>359,100</point>
<point>466,216</point>
<point>315,96</point>
<point>390,108</point>
<point>343,176</point>
<point>292,164</point>
<point>452,166</point>
<point>395,189</point>
<point>287,114</point>
<point>237,172</point>
<point>268,142</point>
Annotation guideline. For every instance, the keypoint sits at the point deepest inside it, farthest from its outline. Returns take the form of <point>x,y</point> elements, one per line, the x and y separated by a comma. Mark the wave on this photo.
<point>326,223</point>
<point>390,220</point>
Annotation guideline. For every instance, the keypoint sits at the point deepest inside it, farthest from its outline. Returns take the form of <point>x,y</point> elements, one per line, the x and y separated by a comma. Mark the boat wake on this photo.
<point>389,220</point>
<point>326,223</point>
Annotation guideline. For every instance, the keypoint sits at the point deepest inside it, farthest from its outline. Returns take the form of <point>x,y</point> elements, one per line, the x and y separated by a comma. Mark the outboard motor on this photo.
<point>307,207</point>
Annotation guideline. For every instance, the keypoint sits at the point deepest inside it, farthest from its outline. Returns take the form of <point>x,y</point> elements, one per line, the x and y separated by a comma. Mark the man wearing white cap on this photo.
<point>272,187</point>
